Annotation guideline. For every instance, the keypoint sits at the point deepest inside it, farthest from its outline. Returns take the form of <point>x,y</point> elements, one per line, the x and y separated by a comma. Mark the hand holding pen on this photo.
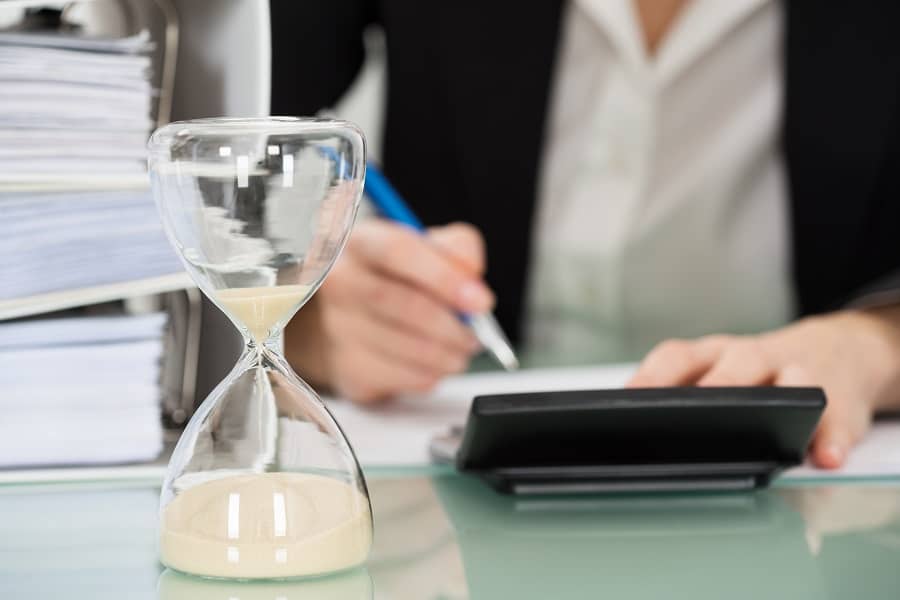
<point>403,307</point>
<point>390,205</point>
<point>386,320</point>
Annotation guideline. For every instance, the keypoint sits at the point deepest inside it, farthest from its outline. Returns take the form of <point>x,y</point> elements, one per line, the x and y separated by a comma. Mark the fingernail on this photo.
<point>835,453</point>
<point>474,345</point>
<point>475,297</point>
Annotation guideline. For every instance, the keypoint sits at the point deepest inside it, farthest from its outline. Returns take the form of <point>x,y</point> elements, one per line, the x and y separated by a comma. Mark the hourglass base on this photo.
<point>262,484</point>
<point>335,526</point>
<point>354,584</point>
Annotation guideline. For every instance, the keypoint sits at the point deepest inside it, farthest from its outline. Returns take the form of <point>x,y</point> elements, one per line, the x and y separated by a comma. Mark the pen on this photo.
<point>390,205</point>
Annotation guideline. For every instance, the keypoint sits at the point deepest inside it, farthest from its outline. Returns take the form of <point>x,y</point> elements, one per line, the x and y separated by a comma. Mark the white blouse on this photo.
<point>662,203</point>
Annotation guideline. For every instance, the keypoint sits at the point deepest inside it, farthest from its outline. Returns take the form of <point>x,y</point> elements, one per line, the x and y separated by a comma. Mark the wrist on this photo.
<point>879,329</point>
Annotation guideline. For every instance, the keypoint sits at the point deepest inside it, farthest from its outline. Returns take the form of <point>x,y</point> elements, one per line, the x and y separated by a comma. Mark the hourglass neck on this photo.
<point>274,343</point>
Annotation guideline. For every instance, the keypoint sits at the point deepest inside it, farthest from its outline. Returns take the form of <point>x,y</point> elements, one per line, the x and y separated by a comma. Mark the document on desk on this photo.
<point>877,456</point>
<point>398,433</point>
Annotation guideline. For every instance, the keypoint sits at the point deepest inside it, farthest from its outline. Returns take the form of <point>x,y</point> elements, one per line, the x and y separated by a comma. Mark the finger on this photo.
<point>405,307</point>
<point>462,242</point>
<point>742,362</point>
<point>374,378</point>
<point>844,422</point>
<point>358,288</point>
<point>405,254</point>
<point>678,362</point>
<point>831,441</point>
<point>399,345</point>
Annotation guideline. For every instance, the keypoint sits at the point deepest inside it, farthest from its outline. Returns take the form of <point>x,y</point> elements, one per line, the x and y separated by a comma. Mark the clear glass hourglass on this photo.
<point>262,483</point>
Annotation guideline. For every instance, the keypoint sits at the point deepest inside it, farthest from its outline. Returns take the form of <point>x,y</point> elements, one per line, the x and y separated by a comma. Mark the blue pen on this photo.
<point>390,205</point>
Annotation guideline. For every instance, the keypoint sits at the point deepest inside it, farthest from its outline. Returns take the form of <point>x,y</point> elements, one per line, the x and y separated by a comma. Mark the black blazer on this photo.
<point>468,85</point>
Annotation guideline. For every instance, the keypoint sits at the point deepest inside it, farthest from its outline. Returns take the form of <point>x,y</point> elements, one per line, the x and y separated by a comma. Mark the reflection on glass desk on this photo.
<point>442,535</point>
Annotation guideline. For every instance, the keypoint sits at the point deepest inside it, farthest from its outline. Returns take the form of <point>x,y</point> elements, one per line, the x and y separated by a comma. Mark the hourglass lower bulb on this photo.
<point>262,483</point>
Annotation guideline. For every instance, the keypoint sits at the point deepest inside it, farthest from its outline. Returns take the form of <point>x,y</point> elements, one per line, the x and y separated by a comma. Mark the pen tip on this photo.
<point>492,338</point>
<point>506,357</point>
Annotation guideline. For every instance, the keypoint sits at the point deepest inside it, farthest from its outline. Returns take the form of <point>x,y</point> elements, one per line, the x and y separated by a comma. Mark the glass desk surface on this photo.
<point>442,535</point>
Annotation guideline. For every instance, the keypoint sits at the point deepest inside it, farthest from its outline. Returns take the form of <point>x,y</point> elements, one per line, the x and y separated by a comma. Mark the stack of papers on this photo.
<point>80,391</point>
<point>65,240</point>
<point>73,105</point>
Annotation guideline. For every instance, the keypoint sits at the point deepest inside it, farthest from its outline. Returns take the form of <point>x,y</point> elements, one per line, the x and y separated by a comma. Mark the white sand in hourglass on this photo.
<point>260,308</point>
<point>267,525</point>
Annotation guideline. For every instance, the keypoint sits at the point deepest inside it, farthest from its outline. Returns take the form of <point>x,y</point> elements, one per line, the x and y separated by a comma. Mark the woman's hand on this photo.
<point>854,355</point>
<point>385,320</point>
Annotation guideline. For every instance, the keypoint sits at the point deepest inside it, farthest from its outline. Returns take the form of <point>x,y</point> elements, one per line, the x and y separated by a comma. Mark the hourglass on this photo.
<point>262,483</point>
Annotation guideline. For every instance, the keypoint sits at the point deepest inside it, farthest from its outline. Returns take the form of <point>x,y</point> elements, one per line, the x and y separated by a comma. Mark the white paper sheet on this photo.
<point>399,433</point>
<point>134,44</point>
<point>75,331</point>
<point>878,455</point>
<point>51,242</point>
<point>80,391</point>
<point>80,95</point>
